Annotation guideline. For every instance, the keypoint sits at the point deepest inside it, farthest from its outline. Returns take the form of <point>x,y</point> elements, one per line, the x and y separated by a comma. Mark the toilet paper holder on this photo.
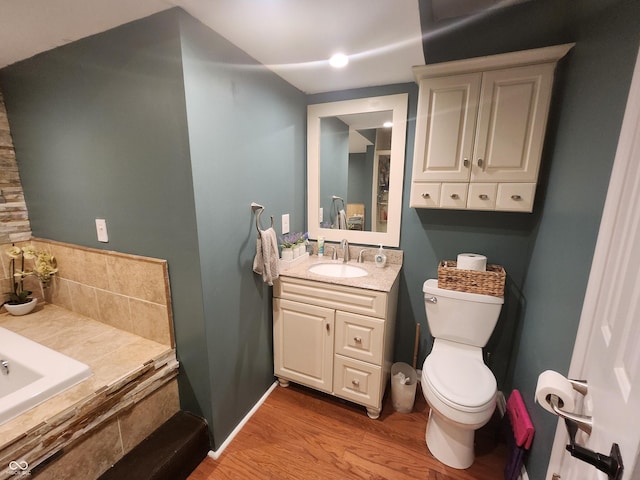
<point>583,422</point>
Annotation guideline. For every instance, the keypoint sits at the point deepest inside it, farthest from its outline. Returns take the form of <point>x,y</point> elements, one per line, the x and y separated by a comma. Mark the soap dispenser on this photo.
<point>381,258</point>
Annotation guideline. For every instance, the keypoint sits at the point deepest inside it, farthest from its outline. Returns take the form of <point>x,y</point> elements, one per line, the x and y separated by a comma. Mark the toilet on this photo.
<point>459,388</point>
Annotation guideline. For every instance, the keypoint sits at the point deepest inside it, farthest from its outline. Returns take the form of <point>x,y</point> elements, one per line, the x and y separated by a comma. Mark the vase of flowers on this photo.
<point>19,301</point>
<point>286,244</point>
<point>300,245</point>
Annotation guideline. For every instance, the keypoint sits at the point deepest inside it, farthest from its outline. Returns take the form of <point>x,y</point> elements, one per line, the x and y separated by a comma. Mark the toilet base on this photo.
<point>449,443</point>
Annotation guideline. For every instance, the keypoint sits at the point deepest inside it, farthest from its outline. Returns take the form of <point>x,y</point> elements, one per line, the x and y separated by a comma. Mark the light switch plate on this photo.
<point>101,229</point>
<point>285,223</point>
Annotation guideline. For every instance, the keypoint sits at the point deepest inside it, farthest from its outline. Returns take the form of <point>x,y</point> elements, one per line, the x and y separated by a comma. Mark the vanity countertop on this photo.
<point>380,279</point>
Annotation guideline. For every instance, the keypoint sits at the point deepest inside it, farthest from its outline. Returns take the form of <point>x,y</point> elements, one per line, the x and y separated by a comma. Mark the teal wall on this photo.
<point>169,132</point>
<point>334,152</point>
<point>247,135</point>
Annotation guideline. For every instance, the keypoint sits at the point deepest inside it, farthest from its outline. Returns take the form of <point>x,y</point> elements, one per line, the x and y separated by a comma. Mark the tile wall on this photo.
<point>128,292</point>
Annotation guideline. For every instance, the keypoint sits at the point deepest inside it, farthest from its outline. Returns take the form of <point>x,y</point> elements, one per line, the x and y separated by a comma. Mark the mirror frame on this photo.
<point>398,104</point>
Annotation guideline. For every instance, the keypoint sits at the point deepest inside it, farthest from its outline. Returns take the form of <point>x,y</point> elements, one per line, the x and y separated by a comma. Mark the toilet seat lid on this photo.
<point>460,380</point>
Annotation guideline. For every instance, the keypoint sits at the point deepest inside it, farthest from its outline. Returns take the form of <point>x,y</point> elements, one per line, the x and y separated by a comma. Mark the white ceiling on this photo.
<point>292,37</point>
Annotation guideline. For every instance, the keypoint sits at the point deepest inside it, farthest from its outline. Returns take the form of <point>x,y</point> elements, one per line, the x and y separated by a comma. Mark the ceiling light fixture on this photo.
<point>339,60</point>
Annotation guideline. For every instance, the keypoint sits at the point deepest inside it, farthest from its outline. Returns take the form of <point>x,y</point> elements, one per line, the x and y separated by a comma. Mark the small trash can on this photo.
<point>403,387</point>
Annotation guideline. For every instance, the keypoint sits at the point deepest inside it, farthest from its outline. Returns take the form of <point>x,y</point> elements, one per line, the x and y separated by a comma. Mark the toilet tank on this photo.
<point>461,317</point>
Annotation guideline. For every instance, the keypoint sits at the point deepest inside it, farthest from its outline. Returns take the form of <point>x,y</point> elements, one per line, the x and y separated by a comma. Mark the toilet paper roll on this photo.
<point>552,383</point>
<point>472,261</point>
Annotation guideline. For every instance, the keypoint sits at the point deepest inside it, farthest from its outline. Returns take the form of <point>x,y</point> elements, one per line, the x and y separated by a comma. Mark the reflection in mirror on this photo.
<point>355,169</point>
<point>355,151</point>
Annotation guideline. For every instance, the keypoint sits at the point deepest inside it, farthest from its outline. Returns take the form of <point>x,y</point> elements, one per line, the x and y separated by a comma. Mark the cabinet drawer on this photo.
<point>482,196</point>
<point>357,381</point>
<point>425,195</point>
<point>359,337</point>
<point>516,197</point>
<point>453,195</point>
<point>339,297</point>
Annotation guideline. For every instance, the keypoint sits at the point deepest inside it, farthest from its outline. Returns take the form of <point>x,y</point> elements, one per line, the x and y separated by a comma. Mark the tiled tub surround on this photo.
<point>125,291</point>
<point>94,423</point>
<point>111,311</point>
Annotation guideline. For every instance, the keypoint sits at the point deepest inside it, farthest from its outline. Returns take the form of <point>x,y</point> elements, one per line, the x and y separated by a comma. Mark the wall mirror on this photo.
<point>355,169</point>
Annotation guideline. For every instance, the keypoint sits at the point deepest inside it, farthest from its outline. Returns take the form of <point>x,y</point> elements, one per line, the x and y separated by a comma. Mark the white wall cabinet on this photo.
<point>480,130</point>
<point>334,338</point>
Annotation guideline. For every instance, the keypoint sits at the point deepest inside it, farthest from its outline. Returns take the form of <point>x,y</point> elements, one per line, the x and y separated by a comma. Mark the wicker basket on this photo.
<point>490,282</point>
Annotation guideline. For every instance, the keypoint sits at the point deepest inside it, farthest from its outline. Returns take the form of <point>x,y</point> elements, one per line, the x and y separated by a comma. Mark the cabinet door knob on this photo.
<point>465,162</point>
<point>425,195</point>
<point>355,382</point>
<point>328,327</point>
<point>455,196</point>
<point>480,162</point>
<point>357,339</point>
<point>516,197</point>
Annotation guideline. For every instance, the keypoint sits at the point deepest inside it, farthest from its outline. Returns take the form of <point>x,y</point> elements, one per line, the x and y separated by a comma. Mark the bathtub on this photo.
<point>31,373</point>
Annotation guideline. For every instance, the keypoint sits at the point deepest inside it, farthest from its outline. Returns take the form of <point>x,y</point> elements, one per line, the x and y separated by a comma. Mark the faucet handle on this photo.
<point>360,257</point>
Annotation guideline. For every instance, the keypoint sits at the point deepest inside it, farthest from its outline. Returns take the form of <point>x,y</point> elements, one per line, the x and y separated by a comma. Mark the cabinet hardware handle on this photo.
<point>328,328</point>
<point>465,162</point>
<point>484,196</point>
<point>516,197</point>
<point>455,196</point>
<point>355,382</point>
<point>357,339</point>
<point>425,195</point>
<point>480,162</point>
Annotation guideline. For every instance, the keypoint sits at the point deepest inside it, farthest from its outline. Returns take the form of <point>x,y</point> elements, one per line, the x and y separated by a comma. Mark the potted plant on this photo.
<point>19,300</point>
<point>286,244</point>
<point>301,244</point>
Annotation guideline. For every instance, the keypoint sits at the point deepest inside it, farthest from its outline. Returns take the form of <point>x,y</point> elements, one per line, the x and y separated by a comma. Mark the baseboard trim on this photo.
<point>501,404</point>
<point>216,454</point>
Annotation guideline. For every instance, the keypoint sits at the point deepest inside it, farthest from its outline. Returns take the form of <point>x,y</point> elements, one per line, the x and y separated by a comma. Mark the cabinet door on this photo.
<point>445,127</point>
<point>512,119</point>
<point>303,343</point>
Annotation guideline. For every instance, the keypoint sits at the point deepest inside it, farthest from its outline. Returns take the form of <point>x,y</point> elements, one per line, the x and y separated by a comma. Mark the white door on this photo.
<point>607,351</point>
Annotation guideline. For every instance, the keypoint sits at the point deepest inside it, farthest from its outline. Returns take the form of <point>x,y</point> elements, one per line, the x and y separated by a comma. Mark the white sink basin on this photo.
<point>341,270</point>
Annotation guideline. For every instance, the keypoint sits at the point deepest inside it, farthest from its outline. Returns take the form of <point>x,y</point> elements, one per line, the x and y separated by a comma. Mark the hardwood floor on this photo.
<point>301,434</point>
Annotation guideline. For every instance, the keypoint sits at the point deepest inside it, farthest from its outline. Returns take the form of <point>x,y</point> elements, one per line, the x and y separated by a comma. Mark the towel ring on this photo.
<point>259,208</point>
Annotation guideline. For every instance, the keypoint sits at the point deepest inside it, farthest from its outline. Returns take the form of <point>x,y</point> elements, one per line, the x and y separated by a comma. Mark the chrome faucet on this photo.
<point>360,257</point>
<point>344,244</point>
<point>334,255</point>
<point>5,366</point>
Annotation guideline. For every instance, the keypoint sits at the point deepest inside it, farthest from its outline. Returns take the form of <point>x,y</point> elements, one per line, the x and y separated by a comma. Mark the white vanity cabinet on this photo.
<point>334,338</point>
<point>480,130</point>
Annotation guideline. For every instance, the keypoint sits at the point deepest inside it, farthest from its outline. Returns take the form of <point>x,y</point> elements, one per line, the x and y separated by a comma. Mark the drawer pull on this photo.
<point>517,198</point>
<point>357,339</point>
<point>484,196</point>
<point>455,196</point>
<point>425,195</point>
<point>355,382</point>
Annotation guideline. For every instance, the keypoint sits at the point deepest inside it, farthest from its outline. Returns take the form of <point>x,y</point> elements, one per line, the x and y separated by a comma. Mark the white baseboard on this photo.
<point>501,404</point>
<point>215,455</point>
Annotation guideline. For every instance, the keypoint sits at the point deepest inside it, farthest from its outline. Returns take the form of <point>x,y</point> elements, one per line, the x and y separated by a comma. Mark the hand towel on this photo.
<point>265,262</point>
<point>342,220</point>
